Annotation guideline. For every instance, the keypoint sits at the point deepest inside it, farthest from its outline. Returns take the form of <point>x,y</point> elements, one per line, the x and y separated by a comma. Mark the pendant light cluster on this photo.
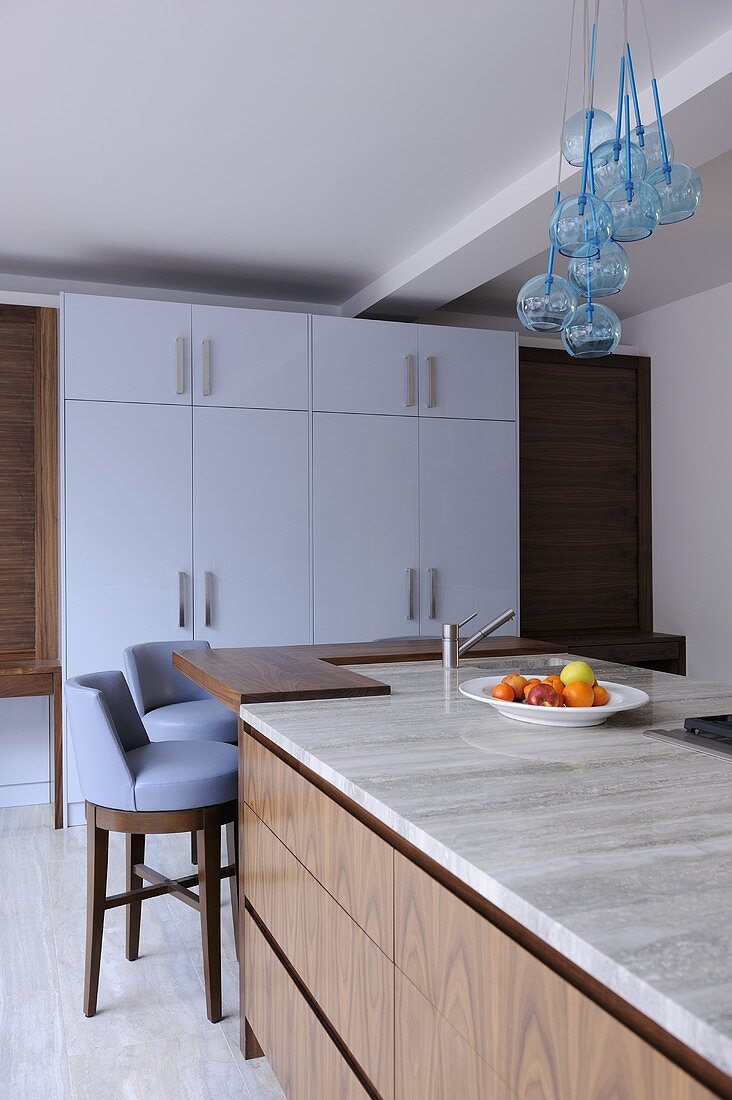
<point>630,185</point>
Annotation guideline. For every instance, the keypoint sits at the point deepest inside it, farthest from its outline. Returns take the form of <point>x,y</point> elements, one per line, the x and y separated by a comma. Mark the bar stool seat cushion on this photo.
<point>195,720</point>
<point>183,775</point>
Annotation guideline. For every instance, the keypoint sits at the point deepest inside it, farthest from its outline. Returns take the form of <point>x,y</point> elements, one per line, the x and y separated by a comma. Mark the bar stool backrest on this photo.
<point>153,680</point>
<point>104,726</point>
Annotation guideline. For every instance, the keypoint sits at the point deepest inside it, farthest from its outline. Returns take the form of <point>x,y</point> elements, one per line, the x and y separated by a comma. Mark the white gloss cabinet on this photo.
<point>127,530</point>
<point>251,527</point>
<point>125,349</point>
<point>250,358</point>
<point>364,366</point>
<point>365,526</point>
<point>467,373</point>
<point>468,521</point>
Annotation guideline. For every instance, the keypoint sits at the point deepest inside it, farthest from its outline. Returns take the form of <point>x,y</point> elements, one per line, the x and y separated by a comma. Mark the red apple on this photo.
<point>542,695</point>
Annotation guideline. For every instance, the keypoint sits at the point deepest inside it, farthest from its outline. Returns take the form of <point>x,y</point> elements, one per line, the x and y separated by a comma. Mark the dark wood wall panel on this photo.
<point>28,476</point>
<point>585,498</point>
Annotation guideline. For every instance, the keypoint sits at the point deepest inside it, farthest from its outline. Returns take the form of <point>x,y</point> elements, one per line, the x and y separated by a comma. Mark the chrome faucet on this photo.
<point>453,648</point>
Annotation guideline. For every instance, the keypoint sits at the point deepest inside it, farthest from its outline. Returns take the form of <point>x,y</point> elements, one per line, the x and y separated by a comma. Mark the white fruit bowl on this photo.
<point>622,697</point>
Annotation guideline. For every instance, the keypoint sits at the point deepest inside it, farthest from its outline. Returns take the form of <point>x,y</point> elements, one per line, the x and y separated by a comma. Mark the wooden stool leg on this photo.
<point>194,848</point>
<point>135,853</point>
<point>209,890</point>
<point>97,852</point>
<point>232,851</point>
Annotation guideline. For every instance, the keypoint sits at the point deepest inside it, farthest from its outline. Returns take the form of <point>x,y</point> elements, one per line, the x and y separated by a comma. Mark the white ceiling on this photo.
<point>284,149</point>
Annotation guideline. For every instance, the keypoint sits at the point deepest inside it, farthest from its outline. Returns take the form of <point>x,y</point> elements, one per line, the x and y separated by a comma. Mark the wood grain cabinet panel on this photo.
<point>351,862</point>
<point>541,1035</point>
<point>305,1060</point>
<point>344,970</point>
<point>433,1062</point>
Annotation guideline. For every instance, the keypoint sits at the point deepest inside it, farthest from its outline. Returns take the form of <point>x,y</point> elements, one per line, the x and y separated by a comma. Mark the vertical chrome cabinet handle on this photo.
<point>431,382</point>
<point>208,586</point>
<point>182,600</point>
<point>410,593</point>
<point>432,582</point>
<point>206,344</point>
<point>409,368</point>
<point>180,347</point>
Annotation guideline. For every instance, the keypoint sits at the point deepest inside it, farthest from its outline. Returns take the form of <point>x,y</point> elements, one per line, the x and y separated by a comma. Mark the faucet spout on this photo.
<point>484,631</point>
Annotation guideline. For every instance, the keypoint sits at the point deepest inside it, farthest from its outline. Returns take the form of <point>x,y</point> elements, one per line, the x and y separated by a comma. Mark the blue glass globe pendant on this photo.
<point>635,205</point>
<point>600,275</point>
<point>594,332</point>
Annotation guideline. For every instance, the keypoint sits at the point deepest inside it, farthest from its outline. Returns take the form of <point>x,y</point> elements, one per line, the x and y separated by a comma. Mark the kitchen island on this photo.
<point>436,899</point>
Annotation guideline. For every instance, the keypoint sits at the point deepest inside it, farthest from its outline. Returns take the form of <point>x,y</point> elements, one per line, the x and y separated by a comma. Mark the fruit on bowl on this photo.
<point>575,686</point>
<point>577,670</point>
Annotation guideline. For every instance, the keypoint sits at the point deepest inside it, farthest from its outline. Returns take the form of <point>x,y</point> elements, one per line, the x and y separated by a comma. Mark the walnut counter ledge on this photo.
<point>440,902</point>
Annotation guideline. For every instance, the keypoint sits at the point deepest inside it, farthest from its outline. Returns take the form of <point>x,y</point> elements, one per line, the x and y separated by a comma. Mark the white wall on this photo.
<point>690,343</point>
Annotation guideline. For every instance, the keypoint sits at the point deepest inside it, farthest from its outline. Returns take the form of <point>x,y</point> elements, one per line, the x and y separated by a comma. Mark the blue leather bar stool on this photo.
<point>171,706</point>
<point>138,787</point>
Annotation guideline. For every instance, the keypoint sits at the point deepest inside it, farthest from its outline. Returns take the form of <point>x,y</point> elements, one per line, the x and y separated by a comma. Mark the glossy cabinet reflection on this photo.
<point>364,366</point>
<point>468,520</point>
<point>365,526</point>
<point>250,527</point>
<point>125,349</point>
<point>250,358</point>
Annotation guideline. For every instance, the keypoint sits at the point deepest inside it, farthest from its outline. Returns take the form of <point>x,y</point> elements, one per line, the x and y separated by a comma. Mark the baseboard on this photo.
<point>75,813</point>
<point>25,794</point>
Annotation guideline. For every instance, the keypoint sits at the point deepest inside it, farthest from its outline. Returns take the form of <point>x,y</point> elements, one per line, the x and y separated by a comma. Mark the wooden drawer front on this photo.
<point>541,1035</point>
<point>305,1060</point>
<point>347,974</point>
<point>16,687</point>
<point>434,1062</point>
<point>351,862</point>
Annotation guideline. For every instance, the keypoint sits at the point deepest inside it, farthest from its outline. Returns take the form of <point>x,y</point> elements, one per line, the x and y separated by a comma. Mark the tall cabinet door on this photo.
<point>250,358</point>
<point>365,526</point>
<point>467,372</point>
<point>127,533</point>
<point>364,366</point>
<point>251,531</point>
<point>121,349</point>
<point>468,521</point>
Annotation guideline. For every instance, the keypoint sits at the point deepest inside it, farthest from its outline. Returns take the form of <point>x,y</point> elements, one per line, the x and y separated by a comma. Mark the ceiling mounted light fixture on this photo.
<point>629,186</point>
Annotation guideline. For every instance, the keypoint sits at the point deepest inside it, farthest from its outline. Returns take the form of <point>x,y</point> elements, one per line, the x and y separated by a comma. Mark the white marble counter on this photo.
<point>615,848</point>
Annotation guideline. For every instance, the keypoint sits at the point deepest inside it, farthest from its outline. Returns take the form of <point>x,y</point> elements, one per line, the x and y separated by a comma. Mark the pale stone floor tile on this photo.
<point>33,1060</point>
<point>27,955</point>
<point>17,820</point>
<point>199,1067</point>
<point>150,1038</point>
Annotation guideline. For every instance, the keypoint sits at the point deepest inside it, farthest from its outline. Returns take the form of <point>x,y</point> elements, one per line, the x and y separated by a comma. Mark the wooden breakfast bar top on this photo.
<point>278,674</point>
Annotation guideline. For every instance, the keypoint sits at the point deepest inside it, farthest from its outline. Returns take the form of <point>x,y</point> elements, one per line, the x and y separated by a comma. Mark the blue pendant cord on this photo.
<point>619,117</point>
<point>550,265</point>
<point>628,165</point>
<point>639,128</point>
<point>589,115</point>
<point>661,133</point>
<point>656,101</point>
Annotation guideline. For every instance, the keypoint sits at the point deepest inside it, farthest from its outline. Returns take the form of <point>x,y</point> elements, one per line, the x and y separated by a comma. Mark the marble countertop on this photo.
<point>613,847</point>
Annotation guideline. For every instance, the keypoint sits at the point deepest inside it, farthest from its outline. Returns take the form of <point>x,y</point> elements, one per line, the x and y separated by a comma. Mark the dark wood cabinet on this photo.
<point>585,475</point>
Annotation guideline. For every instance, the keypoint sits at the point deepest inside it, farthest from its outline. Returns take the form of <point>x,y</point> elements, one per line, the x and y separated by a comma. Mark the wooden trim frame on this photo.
<point>656,1036</point>
<point>46,471</point>
<point>641,365</point>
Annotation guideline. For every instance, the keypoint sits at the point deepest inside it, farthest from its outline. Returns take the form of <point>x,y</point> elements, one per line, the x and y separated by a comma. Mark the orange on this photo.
<point>556,684</point>
<point>530,683</point>
<point>579,694</point>
<point>601,696</point>
<point>503,691</point>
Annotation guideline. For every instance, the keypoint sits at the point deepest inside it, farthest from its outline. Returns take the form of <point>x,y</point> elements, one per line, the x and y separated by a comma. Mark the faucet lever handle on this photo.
<point>466,621</point>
